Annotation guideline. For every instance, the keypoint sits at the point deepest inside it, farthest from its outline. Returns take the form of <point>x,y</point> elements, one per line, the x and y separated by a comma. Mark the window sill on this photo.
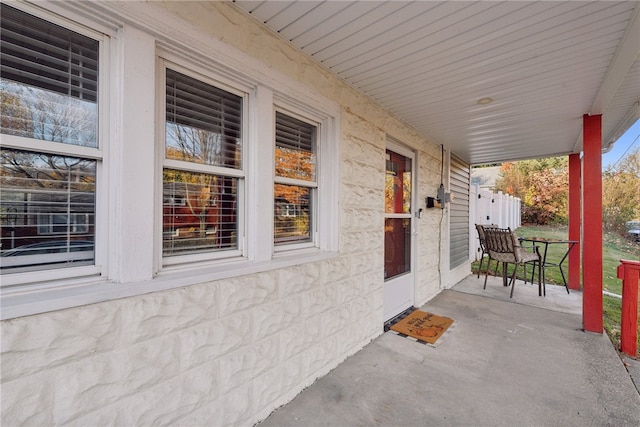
<point>59,295</point>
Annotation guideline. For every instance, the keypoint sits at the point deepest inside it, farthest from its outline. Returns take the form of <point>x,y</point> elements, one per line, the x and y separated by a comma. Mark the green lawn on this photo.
<point>614,249</point>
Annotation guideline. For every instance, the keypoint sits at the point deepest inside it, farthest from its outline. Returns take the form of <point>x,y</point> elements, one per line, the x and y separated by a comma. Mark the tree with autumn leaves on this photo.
<point>621,193</point>
<point>300,165</point>
<point>542,185</point>
<point>297,164</point>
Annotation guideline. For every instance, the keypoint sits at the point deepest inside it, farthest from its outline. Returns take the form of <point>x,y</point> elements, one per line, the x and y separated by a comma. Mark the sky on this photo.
<point>628,142</point>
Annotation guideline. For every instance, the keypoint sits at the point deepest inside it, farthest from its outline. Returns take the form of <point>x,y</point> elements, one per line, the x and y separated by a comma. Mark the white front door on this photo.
<point>398,232</point>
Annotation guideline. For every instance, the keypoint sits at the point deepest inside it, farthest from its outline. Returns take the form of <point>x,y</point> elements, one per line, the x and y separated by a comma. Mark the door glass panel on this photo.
<point>397,189</point>
<point>397,206</point>
<point>397,246</point>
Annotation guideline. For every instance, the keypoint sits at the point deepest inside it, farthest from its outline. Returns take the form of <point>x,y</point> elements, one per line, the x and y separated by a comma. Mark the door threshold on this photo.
<point>389,323</point>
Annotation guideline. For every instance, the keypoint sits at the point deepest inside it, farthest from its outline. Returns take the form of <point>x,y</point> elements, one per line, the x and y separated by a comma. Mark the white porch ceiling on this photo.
<point>543,64</point>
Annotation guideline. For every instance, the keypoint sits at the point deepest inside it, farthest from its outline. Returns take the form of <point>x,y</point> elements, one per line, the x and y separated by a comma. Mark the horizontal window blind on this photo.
<point>203,122</point>
<point>295,148</point>
<point>37,53</point>
<point>294,134</point>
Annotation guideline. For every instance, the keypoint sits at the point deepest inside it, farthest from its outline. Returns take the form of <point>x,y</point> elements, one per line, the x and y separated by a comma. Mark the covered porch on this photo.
<point>491,83</point>
<point>224,335</point>
<point>520,361</point>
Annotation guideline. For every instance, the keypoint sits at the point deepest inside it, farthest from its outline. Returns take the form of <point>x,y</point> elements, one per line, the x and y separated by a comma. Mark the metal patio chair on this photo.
<point>480,229</point>
<point>502,245</point>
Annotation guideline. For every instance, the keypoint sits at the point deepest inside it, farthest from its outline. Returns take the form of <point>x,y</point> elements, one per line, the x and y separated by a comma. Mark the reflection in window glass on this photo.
<point>292,219</point>
<point>47,211</point>
<point>39,114</point>
<point>199,213</point>
<point>397,189</point>
<point>397,246</point>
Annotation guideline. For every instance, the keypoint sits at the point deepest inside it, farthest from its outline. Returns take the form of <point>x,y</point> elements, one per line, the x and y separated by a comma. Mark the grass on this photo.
<point>614,249</point>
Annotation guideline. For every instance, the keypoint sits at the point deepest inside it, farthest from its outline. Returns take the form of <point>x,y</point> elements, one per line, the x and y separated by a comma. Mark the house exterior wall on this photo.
<point>229,351</point>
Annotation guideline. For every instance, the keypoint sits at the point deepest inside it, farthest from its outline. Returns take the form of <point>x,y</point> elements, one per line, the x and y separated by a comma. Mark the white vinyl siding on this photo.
<point>459,212</point>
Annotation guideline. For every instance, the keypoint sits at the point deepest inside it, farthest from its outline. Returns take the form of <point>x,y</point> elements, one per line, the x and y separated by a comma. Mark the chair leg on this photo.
<point>564,279</point>
<point>533,271</point>
<point>480,266</point>
<point>542,290</point>
<point>505,274</point>
<point>513,280</point>
<point>513,276</point>
<point>486,273</point>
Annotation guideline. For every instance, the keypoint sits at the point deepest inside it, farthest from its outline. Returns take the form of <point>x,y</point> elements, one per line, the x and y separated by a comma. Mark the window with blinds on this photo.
<point>203,122</point>
<point>49,92</point>
<point>203,167</point>
<point>295,180</point>
<point>48,80</point>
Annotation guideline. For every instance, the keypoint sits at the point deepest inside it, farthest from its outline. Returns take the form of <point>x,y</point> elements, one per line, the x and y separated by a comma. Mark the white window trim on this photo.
<point>201,168</point>
<point>265,87</point>
<point>50,147</point>
<point>294,181</point>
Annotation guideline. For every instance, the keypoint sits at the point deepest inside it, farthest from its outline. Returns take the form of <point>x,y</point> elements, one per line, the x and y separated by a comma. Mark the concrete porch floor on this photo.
<point>523,361</point>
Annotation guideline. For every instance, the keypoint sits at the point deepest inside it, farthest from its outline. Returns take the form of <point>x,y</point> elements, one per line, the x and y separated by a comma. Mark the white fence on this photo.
<point>486,207</point>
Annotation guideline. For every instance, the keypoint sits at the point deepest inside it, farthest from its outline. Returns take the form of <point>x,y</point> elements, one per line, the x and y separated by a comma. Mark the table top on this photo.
<point>545,240</point>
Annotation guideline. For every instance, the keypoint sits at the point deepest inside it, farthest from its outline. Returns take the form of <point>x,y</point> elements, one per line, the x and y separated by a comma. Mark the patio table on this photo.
<point>544,242</point>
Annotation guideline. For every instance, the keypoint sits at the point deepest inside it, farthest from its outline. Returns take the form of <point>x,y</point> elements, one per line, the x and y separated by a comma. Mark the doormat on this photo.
<point>424,327</point>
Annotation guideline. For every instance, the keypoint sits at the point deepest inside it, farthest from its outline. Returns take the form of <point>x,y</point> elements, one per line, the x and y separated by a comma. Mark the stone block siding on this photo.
<point>237,347</point>
<point>229,352</point>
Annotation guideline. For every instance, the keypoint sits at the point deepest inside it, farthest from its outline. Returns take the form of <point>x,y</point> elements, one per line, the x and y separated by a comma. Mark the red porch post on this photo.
<point>592,223</point>
<point>575,199</point>
<point>629,272</point>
